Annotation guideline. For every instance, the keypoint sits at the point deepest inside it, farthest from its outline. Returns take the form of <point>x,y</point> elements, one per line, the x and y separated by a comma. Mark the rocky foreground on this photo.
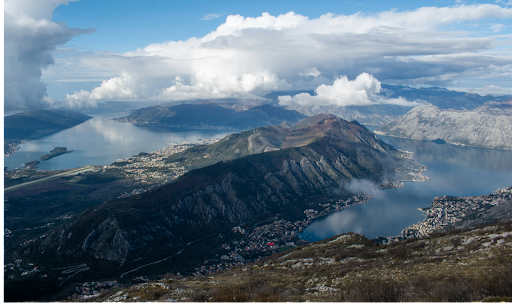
<point>472,265</point>
<point>488,126</point>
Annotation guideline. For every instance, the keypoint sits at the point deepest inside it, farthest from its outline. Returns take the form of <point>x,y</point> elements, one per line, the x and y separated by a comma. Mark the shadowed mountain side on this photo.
<point>212,116</point>
<point>271,138</point>
<point>36,123</point>
<point>122,234</point>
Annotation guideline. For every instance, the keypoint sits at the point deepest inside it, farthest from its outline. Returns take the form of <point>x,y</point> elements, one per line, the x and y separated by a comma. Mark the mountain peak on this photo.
<point>314,120</point>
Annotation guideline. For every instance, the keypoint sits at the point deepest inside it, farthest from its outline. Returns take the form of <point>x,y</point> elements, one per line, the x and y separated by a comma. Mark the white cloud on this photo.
<point>211,16</point>
<point>30,37</point>
<point>252,56</point>
<point>504,2</point>
<point>497,27</point>
<point>492,87</point>
<point>210,85</point>
<point>361,91</point>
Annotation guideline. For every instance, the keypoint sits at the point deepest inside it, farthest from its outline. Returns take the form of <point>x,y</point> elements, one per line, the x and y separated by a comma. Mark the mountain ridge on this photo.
<point>124,234</point>
<point>210,115</point>
<point>486,126</point>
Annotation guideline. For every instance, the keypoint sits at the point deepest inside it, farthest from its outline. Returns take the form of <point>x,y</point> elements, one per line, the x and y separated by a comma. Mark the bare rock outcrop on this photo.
<point>488,126</point>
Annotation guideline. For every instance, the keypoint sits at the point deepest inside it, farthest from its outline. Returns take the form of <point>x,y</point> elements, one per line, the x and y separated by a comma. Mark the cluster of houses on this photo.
<point>447,210</point>
<point>142,167</point>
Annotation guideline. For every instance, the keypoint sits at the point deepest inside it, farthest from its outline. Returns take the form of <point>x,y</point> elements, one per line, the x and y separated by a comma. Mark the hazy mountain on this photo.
<point>487,126</point>
<point>441,97</point>
<point>306,167</point>
<point>206,116</point>
<point>36,123</point>
<point>383,113</point>
<point>368,115</point>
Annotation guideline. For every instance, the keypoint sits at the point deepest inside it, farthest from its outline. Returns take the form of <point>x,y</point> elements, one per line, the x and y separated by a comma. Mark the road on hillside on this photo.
<point>189,243</point>
<point>71,172</point>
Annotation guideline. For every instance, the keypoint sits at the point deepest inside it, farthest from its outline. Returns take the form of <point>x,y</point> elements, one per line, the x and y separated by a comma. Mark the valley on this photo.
<point>234,245</point>
<point>303,168</point>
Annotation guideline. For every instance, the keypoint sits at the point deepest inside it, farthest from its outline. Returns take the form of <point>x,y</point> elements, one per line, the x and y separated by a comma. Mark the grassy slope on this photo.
<point>457,266</point>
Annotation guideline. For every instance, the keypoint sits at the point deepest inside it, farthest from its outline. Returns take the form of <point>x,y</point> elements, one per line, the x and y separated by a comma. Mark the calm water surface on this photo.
<point>457,171</point>
<point>454,170</point>
<point>101,142</point>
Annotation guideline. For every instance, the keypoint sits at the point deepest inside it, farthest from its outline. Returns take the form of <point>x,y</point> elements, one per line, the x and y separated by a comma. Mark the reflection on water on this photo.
<point>101,142</point>
<point>454,170</point>
<point>445,153</point>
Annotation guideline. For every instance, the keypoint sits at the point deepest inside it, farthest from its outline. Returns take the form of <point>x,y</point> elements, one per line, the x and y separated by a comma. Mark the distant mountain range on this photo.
<point>488,126</point>
<point>206,116</point>
<point>380,114</point>
<point>304,168</point>
<point>36,123</point>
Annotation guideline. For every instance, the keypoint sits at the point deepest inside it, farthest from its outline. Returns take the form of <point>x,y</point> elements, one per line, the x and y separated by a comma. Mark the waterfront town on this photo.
<point>263,239</point>
<point>151,169</point>
<point>446,211</point>
<point>12,147</point>
<point>260,240</point>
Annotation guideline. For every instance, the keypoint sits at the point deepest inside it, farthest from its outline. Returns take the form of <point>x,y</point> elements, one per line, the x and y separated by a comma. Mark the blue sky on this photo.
<point>125,25</point>
<point>63,53</point>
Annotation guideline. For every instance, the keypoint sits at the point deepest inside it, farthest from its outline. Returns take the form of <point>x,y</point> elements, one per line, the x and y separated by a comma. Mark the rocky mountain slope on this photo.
<point>306,171</point>
<point>488,126</point>
<point>373,115</point>
<point>206,116</point>
<point>460,266</point>
<point>377,115</point>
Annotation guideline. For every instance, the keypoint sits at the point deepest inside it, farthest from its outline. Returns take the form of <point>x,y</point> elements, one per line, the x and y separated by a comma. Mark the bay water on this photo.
<point>453,170</point>
<point>100,141</point>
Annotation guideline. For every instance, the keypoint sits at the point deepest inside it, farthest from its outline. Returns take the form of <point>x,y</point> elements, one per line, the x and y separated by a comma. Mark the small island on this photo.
<point>55,152</point>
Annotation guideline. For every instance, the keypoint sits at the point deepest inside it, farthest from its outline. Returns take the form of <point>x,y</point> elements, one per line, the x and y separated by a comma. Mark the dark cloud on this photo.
<point>28,44</point>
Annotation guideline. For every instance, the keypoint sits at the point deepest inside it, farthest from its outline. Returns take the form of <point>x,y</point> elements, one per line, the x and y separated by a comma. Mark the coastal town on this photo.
<point>446,211</point>
<point>151,168</point>
<point>13,147</point>
<point>271,236</point>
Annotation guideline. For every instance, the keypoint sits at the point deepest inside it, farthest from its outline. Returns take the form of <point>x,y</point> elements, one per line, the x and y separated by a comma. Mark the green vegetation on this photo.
<point>212,115</point>
<point>55,152</point>
<point>36,123</point>
<point>31,165</point>
<point>16,177</point>
<point>456,266</point>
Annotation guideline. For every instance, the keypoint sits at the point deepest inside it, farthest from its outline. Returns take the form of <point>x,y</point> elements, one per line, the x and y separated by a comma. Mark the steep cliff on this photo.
<point>488,126</point>
<point>309,167</point>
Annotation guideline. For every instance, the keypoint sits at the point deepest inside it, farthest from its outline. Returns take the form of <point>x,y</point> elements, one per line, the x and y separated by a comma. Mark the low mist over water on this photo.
<point>454,170</point>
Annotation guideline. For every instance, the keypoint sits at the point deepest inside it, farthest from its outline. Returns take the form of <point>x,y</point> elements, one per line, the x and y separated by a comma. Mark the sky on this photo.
<point>73,54</point>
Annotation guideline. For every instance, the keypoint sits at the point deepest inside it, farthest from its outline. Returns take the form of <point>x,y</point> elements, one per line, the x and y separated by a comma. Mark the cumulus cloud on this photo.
<point>362,91</point>
<point>252,56</point>
<point>29,38</point>
<point>211,85</point>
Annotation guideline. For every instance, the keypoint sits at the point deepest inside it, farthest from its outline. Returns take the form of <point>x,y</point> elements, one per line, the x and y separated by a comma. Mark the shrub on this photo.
<point>369,290</point>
